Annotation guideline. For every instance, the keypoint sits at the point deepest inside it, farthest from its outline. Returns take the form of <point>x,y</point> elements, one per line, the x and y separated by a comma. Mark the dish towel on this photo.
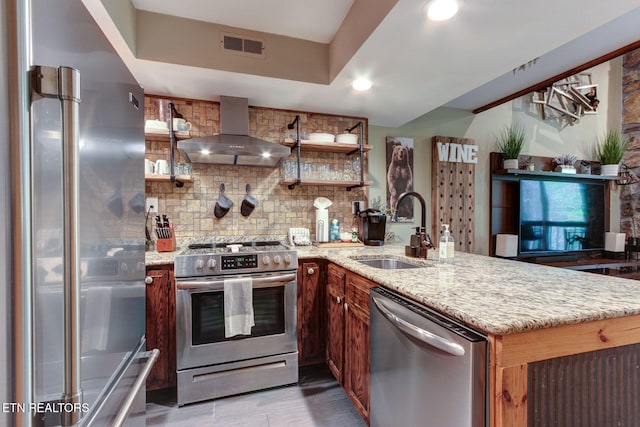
<point>238,307</point>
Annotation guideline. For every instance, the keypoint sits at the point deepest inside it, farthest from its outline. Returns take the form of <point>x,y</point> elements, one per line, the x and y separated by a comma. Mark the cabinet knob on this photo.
<point>346,307</point>
<point>310,271</point>
<point>148,280</point>
<point>338,300</point>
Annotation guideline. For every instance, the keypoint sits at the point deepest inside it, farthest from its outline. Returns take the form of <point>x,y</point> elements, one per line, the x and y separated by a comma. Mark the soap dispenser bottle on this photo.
<point>446,247</point>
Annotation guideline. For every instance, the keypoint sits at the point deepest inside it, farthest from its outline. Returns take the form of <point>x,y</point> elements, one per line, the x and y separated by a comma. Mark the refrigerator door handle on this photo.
<point>152,357</point>
<point>63,83</point>
<point>420,334</point>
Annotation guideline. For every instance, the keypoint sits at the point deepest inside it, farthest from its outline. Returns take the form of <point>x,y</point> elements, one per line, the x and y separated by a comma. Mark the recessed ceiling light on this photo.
<point>361,84</point>
<point>441,10</point>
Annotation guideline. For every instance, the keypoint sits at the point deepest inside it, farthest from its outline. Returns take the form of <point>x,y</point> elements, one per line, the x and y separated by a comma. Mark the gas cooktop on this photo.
<point>216,258</point>
<point>217,247</point>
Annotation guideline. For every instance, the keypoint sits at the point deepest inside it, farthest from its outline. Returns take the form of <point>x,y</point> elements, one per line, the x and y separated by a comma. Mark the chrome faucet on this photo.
<point>416,249</point>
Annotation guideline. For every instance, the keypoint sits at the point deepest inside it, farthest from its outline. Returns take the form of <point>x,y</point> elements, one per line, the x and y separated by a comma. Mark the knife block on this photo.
<point>168,244</point>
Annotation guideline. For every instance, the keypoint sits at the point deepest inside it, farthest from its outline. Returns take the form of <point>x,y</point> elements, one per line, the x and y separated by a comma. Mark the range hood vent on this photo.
<point>233,146</point>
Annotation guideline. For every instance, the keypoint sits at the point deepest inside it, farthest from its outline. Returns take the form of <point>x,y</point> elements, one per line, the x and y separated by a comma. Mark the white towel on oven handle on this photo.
<point>238,306</point>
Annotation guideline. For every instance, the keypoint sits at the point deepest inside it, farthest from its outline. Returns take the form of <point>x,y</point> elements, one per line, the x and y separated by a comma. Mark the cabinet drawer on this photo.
<point>358,291</point>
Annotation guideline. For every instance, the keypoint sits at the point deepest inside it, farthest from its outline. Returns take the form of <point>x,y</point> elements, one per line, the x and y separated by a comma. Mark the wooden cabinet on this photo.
<point>335,320</point>
<point>356,366</point>
<point>505,192</point>
<point>347,345</point>
<point>310,313</point>
<point>161,326</point>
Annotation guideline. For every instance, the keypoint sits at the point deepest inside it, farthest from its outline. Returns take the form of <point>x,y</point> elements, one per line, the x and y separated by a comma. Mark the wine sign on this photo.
<point>457,153</point>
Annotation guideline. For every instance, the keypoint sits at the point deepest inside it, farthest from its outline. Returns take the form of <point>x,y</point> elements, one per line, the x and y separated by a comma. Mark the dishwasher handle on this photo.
<point>420,334</point>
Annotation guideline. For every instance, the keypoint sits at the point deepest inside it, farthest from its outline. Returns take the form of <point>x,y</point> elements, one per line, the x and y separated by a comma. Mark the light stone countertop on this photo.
<point>494,295</point>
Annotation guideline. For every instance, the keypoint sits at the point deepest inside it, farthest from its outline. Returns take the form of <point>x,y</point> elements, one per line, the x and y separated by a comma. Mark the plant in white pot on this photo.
<point>610,150</point>
<point>510,143</point>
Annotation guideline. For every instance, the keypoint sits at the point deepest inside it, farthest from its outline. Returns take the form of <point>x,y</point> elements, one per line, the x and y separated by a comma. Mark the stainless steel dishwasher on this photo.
<point>426,369</point>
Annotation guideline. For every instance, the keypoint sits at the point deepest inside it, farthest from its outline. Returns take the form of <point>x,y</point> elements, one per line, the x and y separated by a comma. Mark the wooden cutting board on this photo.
<point>335,245</point>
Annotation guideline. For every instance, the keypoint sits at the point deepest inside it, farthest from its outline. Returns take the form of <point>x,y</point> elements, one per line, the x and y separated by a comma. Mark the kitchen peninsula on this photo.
<point>540,321</point>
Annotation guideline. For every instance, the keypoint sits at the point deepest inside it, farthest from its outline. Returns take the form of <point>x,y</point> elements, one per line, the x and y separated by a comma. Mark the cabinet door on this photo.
<point>356,368</point>
<point>335,320</point>
<point>310,314</point>
<point>160,327</point>
<point>356,365</point>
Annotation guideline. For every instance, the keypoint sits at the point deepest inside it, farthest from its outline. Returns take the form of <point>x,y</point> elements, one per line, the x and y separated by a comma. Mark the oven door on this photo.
<point>200,337</point>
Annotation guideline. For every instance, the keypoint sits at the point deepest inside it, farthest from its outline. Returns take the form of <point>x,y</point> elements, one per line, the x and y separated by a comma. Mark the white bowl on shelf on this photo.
<point>321,137</point>
<point>347,138</point>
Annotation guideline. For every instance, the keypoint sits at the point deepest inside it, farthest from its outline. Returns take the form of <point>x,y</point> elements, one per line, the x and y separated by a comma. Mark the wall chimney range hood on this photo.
<point>233,146</point>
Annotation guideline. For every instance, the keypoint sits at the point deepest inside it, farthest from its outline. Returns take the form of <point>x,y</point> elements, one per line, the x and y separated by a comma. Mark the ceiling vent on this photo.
<point>241,45</point>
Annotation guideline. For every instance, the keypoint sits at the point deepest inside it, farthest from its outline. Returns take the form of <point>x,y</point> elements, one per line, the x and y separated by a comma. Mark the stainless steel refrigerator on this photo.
<point>72,159</point>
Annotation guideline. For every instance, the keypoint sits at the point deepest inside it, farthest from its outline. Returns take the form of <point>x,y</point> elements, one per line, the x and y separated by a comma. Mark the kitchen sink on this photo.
<point>388,263</point>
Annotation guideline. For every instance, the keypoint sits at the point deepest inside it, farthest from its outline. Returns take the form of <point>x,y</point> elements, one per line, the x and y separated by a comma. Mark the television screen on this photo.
<point>561,216</point>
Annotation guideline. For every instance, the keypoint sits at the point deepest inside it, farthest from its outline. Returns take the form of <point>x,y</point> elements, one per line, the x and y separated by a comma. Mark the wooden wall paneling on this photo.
<point>491,379</point>
<point>510,398</point>
<point>453,195</point>
<point>552,342</point>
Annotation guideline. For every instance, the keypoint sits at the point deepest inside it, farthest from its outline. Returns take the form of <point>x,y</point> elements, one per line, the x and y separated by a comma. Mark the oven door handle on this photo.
<point>258,282</point>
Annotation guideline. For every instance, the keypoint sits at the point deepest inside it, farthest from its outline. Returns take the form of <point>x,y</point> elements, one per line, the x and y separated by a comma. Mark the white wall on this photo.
<point>548,138</point>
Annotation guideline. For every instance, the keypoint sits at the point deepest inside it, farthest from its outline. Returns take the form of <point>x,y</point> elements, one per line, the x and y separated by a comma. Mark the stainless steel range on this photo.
<point>212,360</point>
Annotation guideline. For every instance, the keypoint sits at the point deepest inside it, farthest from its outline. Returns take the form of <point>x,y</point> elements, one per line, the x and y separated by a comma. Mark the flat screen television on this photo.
<point>561,216</point>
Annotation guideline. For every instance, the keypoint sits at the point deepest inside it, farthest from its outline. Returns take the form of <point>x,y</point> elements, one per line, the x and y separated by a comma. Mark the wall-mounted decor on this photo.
<point>453,192</point>
<point>400,176</point>
<point>457,153</point>
<point>569,99</point>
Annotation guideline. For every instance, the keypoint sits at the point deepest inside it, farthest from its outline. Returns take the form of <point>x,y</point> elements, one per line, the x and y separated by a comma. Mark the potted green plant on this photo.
<point>610,150</point>
<point>510,143</point>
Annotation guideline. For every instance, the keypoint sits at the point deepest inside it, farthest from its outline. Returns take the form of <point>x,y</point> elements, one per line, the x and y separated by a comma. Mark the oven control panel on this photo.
<point>239,262</point>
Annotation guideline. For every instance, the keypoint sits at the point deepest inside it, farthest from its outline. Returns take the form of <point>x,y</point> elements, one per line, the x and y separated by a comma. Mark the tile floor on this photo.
<point>317,400</point>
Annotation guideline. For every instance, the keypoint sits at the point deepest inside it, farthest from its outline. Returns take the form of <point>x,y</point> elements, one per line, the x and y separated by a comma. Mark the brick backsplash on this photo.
<point>191,207</point>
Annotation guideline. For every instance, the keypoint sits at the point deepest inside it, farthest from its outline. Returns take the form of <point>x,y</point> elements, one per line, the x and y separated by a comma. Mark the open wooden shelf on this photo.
<point>325,183</point>
<point>152,177</point>
<point>163,135</point>
<point>555,174</point>
<point>325,147</point>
